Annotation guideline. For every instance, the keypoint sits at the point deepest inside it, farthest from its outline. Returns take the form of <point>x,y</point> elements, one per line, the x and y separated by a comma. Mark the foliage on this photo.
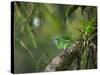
<point>36,24</point>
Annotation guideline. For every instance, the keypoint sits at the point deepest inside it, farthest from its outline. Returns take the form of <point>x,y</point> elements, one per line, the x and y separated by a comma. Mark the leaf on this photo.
<point>71,10</point>
<point>31,36</point>
<point>22,28</point>
<point>25,9</point>
<point>88,26</point>
<point>26,48</point>
<point>92,37</point>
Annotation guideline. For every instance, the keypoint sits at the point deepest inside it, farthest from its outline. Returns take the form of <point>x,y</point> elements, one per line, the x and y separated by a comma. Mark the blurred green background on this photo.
<point>35,27</point>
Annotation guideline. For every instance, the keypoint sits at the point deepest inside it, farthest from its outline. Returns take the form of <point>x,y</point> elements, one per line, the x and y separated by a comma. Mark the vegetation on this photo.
<point>43,31</point>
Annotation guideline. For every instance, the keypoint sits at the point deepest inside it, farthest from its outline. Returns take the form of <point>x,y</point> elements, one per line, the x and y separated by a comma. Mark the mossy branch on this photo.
<point>65,58</point>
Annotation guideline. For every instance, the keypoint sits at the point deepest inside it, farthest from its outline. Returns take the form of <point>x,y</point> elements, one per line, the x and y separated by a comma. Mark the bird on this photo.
<point>63,42</point>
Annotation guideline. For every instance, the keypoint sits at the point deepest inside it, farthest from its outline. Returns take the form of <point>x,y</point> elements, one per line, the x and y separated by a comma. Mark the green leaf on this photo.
<point>71,10</point>
<point>31,36</point>
<point>26,48</point>
<point>25,9</point>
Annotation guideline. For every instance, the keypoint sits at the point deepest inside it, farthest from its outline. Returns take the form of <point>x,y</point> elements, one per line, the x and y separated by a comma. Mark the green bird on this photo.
<point>63,42</point>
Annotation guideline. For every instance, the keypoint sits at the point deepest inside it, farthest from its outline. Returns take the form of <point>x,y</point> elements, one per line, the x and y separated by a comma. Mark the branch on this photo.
<point>65,58</point>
